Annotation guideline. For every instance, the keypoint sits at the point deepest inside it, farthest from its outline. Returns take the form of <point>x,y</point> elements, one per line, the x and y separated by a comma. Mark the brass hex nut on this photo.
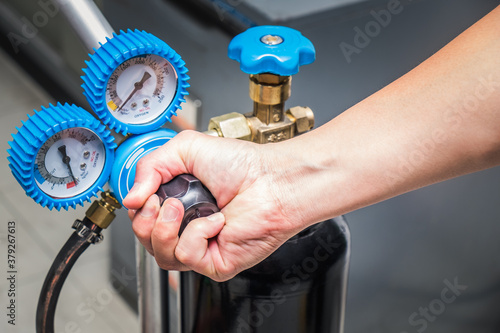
<point>303,118</point>
<point>232,125</point>
<point>100,215</point>
<point>270,89</point>
<point>101,212</point>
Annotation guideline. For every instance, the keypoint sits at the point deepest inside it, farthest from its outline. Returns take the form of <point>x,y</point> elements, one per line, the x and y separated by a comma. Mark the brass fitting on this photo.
<point>275,132</point>
<point>101,212</point>
<point>231,125</point>
<point>269,93</point>
<point>268,122</point>
<point>302,117</point>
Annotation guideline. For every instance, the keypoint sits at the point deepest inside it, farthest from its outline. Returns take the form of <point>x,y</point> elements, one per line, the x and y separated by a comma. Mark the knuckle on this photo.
<point>185,135</point>
<point>163,234</point>
<point>140,230</point>
<point>224,274</point>
<point>182,256</point>
<point>198,225</point>
<point>165,263</point>
<point>219,278</point>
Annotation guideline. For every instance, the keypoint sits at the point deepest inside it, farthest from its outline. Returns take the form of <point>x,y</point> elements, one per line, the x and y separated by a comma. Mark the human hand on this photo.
<point>251,224</point>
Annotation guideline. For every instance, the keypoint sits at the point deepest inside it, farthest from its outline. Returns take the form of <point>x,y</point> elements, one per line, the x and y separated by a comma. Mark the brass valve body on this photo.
<point>269,93</point>
<point>268,122</point>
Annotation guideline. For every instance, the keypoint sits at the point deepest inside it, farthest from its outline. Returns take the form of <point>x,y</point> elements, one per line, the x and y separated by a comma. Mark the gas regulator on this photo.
<point>62,155</point>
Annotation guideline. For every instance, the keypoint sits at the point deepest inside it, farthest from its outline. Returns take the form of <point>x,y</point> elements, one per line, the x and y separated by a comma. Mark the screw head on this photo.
<point>272,39</point>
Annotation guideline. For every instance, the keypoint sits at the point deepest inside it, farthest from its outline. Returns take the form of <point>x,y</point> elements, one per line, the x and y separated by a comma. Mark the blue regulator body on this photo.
<point>127,156</point>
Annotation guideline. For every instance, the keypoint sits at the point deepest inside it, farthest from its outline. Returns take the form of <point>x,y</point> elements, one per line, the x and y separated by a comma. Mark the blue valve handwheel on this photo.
<point>135,82</point>
<point>271,49</point>
<point>127,156</point>
<point>61,156</point>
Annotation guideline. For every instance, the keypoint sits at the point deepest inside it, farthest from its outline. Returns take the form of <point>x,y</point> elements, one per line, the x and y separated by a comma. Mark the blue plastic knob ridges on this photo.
<point>271,49</point>
<point>35,131</point>
<point>109,56</point>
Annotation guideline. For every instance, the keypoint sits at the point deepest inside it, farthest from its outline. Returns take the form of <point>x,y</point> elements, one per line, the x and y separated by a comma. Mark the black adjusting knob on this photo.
<point>195,197</point>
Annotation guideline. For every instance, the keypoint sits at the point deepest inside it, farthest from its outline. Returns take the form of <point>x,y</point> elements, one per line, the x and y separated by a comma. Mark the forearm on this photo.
<point>439,121</point>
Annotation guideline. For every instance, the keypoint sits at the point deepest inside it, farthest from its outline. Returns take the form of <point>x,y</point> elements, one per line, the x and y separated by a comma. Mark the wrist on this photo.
<point>302,182</point>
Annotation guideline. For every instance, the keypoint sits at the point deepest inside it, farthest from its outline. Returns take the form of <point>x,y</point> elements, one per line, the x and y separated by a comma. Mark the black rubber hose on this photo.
<point>56,276</point>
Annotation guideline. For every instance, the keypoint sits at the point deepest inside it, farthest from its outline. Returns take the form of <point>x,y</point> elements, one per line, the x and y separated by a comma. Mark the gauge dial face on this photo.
<point>69,162</point>
<point>140,89</point>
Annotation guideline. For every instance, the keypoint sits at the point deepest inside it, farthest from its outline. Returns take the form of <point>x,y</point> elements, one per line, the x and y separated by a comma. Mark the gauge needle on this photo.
<point>66,159</point>
<point>137,86</point>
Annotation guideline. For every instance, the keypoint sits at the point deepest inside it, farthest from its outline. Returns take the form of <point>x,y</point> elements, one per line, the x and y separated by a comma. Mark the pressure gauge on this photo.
<point>135,82</point>
<point>62,156</point>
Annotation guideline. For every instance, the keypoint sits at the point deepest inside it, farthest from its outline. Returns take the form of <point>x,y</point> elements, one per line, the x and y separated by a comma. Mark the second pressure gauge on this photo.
<point>61,156</point>
<point>135,82</point>
<point>69,162</point>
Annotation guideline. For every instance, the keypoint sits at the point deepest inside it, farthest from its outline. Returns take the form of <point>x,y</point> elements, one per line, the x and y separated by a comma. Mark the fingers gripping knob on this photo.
<point>271,49</point>
<point>195,197</point>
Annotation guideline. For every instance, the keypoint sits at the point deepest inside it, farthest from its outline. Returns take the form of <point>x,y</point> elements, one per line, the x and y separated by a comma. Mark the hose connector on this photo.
<point>101,212</point>
<point>91,235</point>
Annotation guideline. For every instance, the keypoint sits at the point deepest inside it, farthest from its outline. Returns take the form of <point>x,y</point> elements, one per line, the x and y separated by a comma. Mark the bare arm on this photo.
<point>439,121</point>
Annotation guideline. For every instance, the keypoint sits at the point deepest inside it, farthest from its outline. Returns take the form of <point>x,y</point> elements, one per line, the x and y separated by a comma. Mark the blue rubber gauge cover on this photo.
<point>135,82</point>
<point>61,156</point>
<point>127,156</point>
<point>271,49</point>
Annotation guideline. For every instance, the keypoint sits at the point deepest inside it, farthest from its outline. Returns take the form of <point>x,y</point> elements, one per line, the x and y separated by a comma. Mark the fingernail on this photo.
<point>148,209</point>
<point>216,217</point>
<point>170,213</point>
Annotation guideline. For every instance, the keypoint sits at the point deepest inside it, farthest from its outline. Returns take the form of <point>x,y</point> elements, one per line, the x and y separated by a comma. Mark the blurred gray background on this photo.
<point>405,251</point>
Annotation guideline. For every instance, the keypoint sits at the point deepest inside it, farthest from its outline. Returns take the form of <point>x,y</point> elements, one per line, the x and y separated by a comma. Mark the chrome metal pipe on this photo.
<point>150,287</point>
<point>92,28</point>
<point>87,20</point>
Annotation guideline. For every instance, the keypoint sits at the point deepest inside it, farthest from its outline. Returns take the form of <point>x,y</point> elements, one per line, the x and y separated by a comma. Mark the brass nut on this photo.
<point>99,215</point>
<point>303,118</point>
<point>101,212</point>
<point>270,93</point>
<point>232,125</point>
<point>109,201</point>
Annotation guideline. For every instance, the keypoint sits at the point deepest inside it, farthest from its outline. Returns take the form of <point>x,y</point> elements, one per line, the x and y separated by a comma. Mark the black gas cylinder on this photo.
<point>300,288</point>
